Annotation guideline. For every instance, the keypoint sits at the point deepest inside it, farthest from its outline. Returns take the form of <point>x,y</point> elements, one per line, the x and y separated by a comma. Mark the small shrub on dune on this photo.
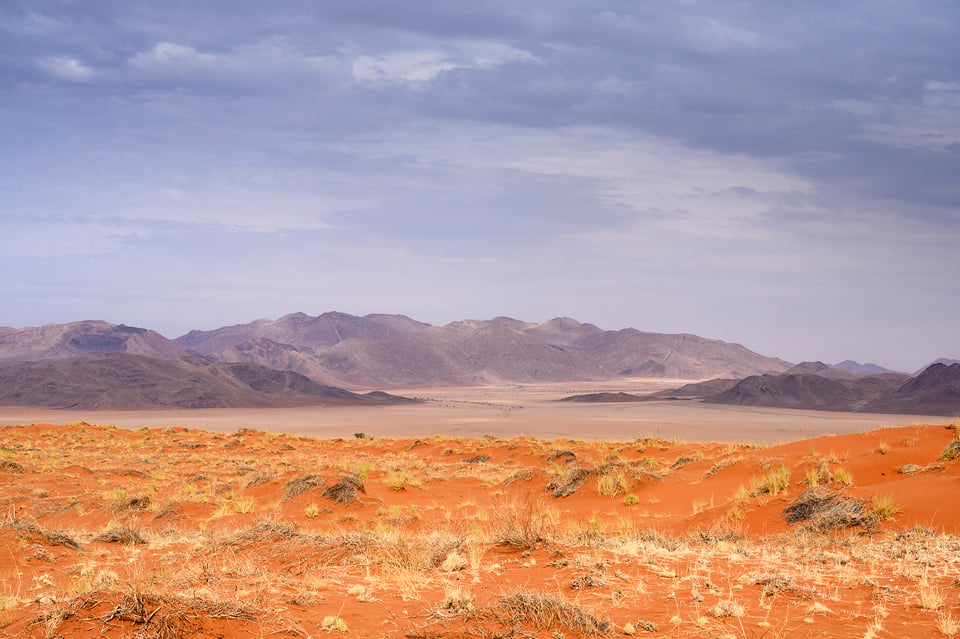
<point>951,452</point>
<point>52,537</point>
<point>121,535</point>
<point>569,483</point>
<point>544,613</point>
<point>301,485</point>
<point>332,623</point>
<point>825,510</point>
<point>523,524</point>
<point>345,491</point>
<point>10,466</point>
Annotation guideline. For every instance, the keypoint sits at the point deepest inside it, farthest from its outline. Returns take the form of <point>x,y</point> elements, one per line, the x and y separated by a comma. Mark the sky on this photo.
<point>785,175</point>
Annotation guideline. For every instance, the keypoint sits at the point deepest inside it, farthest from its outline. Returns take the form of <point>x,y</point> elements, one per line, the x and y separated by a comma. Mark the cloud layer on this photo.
<point>780,175</point>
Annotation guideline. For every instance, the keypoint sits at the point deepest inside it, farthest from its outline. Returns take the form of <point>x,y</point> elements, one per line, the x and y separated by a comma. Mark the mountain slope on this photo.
<point>302,330</point>
<point>379,350</point>
<point>852,366</point>
<point>55,341</point>
<point>935,391</point>
<point>124,381</point>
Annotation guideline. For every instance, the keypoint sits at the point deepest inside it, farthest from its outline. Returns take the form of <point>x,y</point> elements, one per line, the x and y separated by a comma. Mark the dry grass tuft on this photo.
<point>883,508</point>
<point>266,532</point>
<point>121,535</point>
<point>10,466</point>
<point>570,484</point>
<point>153,616</point>
<point>522,524</point>
<point>141,502</point>
<point>774,482</point>
<point>951,452</point>
<point>345,491</point>
<point>301,485</point>
<point>826,510</point>
<point>543,613</point>
<point>565,456</point>
<point>52,537</point>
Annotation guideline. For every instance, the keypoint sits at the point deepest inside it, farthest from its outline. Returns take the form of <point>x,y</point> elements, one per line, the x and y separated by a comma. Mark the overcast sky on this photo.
<point>781,174</point>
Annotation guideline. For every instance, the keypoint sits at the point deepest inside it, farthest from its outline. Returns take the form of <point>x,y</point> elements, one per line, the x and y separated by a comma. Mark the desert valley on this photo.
<point>380,477</point>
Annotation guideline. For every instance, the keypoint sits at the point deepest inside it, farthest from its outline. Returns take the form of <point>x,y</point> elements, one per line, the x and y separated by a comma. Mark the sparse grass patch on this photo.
<point>727,608</point>
<point>542,613</point>
<point>947,624</point>
<point>883,508</point>
<point>333,623</point>
<point>842,476</point>
<point>613,482</point>
<point>398,480</point>
<point>929,596</point>
<point>523,524</point>
<point>456,601</point>
<point>774,482</point>
<point>951,452</point>
<point>121,535</point>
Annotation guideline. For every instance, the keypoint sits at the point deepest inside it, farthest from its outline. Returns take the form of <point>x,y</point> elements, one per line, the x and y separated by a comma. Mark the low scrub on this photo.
<point>542,613</point>
<point>825,510</point>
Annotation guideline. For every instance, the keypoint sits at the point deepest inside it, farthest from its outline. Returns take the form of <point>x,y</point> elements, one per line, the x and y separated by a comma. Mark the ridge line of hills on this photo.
<point>817,386</point>
<point>394,351</point>
<point>300,359</point>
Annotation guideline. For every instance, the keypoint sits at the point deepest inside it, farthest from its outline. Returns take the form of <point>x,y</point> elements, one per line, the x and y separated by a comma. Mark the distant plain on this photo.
<point>506,410</point>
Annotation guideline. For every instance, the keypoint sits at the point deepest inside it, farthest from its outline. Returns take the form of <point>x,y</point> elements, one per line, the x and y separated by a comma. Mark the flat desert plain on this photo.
<point>442,520</point>
<point>505,411</point>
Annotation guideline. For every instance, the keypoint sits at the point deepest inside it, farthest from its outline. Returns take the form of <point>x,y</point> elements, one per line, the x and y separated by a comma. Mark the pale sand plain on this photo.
<point>506,410</point>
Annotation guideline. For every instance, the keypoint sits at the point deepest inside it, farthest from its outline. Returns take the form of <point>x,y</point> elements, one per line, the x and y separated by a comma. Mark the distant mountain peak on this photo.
<point>853,366</point>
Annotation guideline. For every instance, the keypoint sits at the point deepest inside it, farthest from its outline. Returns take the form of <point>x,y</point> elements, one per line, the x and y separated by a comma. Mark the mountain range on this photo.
<point>126,381</point>
<point>300,359</point>
<point>394,351</point>
<point>816,386</point>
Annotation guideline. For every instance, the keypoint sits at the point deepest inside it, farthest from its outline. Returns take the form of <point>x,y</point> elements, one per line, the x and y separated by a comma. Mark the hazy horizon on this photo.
<point>782,176</point>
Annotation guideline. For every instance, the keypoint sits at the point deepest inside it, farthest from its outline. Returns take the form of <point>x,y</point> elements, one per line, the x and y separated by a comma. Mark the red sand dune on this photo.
<point>266,534</point>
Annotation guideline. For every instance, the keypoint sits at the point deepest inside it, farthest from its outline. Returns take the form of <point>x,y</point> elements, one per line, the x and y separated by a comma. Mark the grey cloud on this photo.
<point>266,119</point>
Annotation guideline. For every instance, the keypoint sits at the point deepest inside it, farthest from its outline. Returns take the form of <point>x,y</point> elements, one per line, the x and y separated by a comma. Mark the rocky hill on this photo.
<point>936,391</point>
<point>125,381</point>
<point>396,351</point>
<point>56,341</point>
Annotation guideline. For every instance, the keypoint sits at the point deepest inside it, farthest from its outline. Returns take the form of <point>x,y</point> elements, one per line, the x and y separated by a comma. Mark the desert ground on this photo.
<point>442,520</point>
<point>505,411</point>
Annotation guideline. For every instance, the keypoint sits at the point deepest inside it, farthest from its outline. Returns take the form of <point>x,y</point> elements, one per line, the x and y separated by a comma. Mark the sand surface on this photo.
<point>507,411</point>
<point>174,533</point>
